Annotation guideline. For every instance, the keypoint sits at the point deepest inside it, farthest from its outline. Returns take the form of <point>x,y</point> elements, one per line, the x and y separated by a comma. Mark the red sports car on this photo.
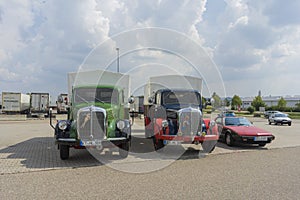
<point>234,130</point>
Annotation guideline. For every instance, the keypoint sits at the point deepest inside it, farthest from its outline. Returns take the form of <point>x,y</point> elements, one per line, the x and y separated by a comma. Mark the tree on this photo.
<point>250,109</point>
<point>227,102</point>
<point>217,100</point>
<point>236,102</point>
<point>258,102</point>
<point>281,104</point>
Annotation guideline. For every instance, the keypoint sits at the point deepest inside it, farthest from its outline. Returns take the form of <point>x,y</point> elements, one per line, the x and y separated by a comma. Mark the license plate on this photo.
<point>172,142</point>
<point>261,138</point>
<point>87,143</point>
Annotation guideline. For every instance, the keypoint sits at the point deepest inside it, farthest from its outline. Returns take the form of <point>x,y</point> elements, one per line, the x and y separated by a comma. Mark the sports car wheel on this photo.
<point>228,139</point>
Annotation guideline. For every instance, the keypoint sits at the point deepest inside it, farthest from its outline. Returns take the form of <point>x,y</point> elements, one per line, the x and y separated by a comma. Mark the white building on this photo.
<point>291,101</point>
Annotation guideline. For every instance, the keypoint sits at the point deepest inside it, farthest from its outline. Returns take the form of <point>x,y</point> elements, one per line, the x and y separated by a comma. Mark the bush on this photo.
<point>256,115</point>
<point>251,109</point>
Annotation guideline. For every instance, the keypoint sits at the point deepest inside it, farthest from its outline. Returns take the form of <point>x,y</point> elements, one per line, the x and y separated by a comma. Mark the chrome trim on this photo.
<point>66,140</point>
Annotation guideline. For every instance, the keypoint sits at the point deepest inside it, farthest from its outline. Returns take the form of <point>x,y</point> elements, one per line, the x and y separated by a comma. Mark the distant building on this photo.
<point>291,101</point>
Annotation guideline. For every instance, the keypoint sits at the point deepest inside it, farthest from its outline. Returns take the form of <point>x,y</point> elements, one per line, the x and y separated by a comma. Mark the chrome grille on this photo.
<point>189,122</point>
<point>91,125</point>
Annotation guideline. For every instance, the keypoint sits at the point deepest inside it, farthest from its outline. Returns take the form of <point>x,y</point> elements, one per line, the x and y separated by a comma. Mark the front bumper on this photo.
<point>109,142</point>
<point>253,139</point>
<point>188,139</point>
<point>282,121</point>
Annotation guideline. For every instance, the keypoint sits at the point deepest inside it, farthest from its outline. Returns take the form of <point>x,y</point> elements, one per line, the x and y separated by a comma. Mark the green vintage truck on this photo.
<point>99,113</point>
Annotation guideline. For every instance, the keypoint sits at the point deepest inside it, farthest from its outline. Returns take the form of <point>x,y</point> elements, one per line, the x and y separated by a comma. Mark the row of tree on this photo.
<point>236,102</point>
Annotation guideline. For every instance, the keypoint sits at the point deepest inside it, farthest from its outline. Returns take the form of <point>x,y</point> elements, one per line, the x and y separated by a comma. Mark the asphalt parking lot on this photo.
<point>27,146</point>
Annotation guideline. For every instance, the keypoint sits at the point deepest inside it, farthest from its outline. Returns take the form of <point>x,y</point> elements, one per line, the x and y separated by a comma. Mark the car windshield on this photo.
<point>280,115</point>
<point>237,121</point>
<point>103,95</point>
<point>181,97</point>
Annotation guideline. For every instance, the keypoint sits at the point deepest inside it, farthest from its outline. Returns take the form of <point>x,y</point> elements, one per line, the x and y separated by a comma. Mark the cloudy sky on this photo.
<point>252,44</point>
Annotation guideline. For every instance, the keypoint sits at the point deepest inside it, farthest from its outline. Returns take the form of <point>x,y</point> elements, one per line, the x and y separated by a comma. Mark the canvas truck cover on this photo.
<point>98,78</point>
<point>171,82</point>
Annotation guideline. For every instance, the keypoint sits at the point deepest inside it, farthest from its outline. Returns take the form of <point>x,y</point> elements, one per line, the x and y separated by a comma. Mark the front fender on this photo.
<point>59,133</point>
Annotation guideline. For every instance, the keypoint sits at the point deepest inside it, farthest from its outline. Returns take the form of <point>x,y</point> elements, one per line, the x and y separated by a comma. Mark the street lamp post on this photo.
<point>118,59</point>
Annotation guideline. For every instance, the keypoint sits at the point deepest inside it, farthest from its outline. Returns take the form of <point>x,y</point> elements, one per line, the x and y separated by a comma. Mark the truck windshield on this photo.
<point>181,97</point>
<point>103,95</point>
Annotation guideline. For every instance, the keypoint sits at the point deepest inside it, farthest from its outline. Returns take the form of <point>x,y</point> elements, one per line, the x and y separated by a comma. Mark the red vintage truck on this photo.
<point>173,113</point>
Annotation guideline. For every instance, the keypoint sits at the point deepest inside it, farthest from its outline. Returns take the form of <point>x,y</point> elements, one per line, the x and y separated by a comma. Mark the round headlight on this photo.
<point>121,124</point>
<point>62,125</point>
<point>165,123</point>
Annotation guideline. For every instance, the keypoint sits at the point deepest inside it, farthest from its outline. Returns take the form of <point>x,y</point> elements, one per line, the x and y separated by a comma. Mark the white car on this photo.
<point>270,112</point>
<point>280,118</point>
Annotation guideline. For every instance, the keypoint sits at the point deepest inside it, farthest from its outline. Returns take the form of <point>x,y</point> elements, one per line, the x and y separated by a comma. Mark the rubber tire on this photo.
<point>290,124</point>
<point>124,150</point>
<point>228,139</point>
<point>270,123</point>
<point>64,151</point>
<point>159,145</point>
<point>262,145</point>
<point>208,146</point>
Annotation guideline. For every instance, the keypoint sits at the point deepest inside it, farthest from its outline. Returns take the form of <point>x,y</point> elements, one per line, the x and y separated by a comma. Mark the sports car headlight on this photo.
<point>121,124</point>
<point>62,125</point>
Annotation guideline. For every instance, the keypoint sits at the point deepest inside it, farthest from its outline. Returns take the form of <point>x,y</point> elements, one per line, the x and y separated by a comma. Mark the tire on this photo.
<point>124,150</point>
<point>290,123</point>
<point>228,139</point>
<point>64,151</point>
<point>262,145</point>
<point>158,145</point>
<point>270,123</point>
<point>208,146</point>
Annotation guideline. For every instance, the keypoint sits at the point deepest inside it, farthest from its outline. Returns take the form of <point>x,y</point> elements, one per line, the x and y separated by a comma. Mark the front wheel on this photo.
<point>158,144</point>
<point>124,150</point>
<point>208,146</point>
<point>262,144</point>
<point>64,151</point>
<point>290,123</point>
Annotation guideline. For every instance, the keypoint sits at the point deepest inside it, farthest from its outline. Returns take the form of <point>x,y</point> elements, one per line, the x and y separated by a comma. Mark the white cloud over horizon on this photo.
<point>255,44</point>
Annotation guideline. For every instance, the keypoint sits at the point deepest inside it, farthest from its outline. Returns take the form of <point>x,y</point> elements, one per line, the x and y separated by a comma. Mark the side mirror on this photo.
<point>131,100</point>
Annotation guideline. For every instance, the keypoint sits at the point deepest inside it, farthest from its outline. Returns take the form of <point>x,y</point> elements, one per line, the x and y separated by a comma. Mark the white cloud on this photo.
<point>43,40</point>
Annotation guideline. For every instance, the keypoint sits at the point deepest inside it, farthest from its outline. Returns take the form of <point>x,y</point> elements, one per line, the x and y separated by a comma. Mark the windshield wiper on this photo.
<point>83,99</point>
<point>99,100</point>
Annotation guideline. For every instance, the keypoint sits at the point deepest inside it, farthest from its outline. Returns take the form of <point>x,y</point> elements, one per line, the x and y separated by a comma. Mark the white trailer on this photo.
<point>39,103</point>
<point>170,82</point>
<point>14,102</point>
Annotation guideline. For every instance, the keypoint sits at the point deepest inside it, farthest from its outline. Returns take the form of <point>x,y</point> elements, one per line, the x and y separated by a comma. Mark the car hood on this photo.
<point>249,130</point>
<point>282,118</point>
